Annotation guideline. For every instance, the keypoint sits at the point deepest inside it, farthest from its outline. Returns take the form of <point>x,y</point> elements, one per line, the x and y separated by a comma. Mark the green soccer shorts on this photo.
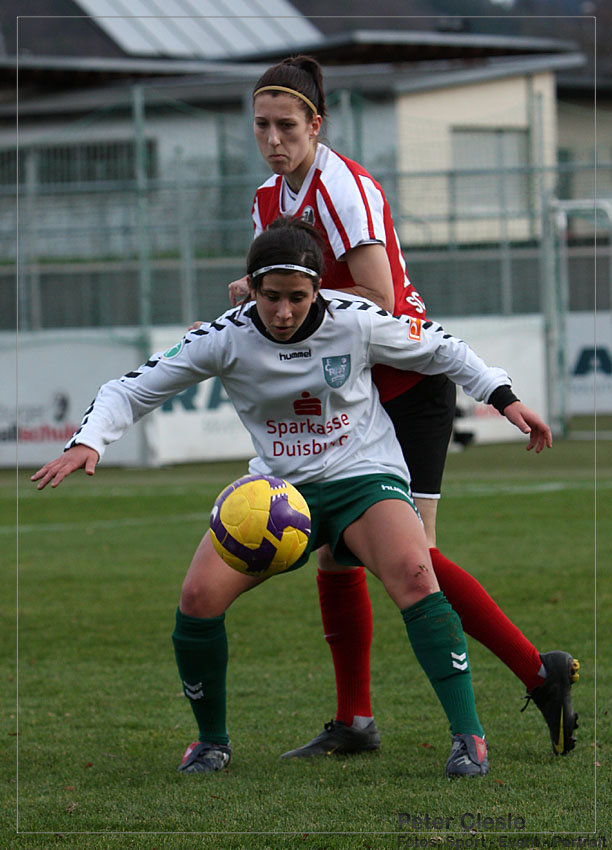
<point>334,505</point>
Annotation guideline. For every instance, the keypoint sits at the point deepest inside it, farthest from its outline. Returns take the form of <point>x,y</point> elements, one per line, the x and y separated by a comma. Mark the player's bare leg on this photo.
<point>428,509</point>
<point>389,539</point>
<point>200,645</point>
<point>210,585</point>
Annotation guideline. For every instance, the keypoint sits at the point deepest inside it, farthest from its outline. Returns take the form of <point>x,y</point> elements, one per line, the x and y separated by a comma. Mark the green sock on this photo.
<point>200,646</point>
<point>437,638</point>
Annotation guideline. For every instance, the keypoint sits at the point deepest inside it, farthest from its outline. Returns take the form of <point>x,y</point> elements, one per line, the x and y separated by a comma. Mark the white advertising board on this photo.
<point>48,380</point>
<point>516,343</point>
<point>589,363</point>
<point>199,424</point>
<point>50,377</point>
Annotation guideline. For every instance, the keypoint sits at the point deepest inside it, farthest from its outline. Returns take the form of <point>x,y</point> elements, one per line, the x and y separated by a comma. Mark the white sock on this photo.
<point>361,722</point>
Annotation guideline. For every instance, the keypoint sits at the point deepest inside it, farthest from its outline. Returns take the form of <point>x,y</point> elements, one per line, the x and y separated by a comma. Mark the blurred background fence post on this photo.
<point>144,249</point>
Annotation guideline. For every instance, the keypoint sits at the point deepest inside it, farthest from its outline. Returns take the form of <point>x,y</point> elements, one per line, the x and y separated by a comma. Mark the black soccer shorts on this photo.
<point>423,420</point>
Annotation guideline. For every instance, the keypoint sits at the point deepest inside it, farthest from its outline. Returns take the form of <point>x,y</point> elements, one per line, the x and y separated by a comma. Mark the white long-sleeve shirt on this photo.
<point>310,405</point>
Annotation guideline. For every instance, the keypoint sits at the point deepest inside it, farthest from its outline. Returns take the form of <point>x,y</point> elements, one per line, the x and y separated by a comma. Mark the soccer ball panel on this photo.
<point>260,525</point>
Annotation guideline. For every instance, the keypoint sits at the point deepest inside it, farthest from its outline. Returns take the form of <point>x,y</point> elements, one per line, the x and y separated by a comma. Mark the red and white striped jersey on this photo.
<point>344,202</point>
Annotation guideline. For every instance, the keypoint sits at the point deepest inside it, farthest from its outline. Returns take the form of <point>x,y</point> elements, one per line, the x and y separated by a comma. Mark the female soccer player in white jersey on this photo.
<point>363,255</point>
<point>357,485</point>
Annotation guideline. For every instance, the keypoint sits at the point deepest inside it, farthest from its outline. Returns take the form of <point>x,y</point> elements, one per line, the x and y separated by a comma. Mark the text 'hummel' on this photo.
<point>293,354</point>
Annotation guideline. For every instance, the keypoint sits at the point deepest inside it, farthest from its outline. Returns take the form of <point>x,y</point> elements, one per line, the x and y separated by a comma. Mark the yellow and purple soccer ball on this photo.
<point>260,525</point>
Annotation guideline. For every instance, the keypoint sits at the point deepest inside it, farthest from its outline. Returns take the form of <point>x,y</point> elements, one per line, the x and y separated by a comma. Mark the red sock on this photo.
<point>346,612</point>
<point>485,621</point>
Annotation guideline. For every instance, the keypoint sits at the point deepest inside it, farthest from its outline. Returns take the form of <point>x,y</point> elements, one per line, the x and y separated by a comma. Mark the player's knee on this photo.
<point>408,579</point>
<point>196,601</point>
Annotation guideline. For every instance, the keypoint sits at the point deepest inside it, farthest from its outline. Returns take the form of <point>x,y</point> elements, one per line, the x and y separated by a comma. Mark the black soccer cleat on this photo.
<point>203,757</point>
<point>339,739</point>
<point>468,757</point>
<point>554,700</point>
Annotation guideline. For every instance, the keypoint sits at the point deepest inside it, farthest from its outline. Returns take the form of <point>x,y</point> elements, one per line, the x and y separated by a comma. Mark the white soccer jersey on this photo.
<point>310,406</point>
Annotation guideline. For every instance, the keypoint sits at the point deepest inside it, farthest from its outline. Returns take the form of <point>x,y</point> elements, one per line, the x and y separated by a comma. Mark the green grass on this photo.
<point>102,722</point>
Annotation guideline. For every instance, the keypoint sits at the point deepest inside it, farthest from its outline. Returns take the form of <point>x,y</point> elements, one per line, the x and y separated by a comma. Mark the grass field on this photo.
<point>102,723</point>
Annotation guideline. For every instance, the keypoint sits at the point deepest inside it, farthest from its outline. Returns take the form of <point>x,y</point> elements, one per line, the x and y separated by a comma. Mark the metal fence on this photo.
<point>91,255</point>
<point>125,221</point>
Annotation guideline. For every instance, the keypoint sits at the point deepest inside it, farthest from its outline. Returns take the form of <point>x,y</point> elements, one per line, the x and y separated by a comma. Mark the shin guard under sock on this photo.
<point>200,646</point>
<point>439,644</point>
<point>346,612</point>
<point>484,620</point>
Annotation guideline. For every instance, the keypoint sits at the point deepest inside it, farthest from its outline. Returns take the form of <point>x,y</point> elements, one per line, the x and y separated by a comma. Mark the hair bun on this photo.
<point>301,73</point>
<point>305,63</point>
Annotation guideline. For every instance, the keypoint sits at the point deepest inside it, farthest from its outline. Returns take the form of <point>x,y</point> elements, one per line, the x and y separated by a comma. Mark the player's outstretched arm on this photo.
<point>529,423</point>
<point>78,457</point>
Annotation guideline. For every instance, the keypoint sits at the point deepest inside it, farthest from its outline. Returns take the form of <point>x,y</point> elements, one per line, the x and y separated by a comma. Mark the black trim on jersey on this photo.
<point>311,323</point>
<point>343,304</point>
<point>230,317</point>
<point>80,428</point>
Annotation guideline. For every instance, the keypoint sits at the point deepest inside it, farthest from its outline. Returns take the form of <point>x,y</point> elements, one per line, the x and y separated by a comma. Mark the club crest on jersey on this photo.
<point>337,370</point>
<point>308,215</point>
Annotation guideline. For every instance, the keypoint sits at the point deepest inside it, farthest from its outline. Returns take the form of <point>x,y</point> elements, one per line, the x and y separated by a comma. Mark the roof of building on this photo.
<point>365,46</point>
<point>209,84</point>
<point>94,51</point>
<point>206,29</point>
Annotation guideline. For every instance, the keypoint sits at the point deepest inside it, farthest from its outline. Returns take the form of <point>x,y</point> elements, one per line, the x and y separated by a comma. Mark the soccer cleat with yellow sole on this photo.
<point>554,700</point>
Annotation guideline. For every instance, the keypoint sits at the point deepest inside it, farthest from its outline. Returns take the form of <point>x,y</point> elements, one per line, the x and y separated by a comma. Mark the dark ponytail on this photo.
<point>300,73</point>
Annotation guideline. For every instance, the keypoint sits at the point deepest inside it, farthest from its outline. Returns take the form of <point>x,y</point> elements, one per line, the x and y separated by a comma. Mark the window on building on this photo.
<point>490,171</point>
<point>76,162</point>
<point>564,183</point>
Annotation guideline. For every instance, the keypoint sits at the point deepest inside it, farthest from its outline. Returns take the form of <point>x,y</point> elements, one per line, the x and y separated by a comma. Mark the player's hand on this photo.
<point>78,457</point>
<point>529,423</point>
<point>238,290</point>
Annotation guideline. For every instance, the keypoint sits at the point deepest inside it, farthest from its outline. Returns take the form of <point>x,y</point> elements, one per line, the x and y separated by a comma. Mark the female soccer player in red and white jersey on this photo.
<point>363,255</point>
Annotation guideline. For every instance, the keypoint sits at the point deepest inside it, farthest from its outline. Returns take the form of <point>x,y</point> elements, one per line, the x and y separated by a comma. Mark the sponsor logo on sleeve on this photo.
<point>172,352</point>
<point>415,328</point>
